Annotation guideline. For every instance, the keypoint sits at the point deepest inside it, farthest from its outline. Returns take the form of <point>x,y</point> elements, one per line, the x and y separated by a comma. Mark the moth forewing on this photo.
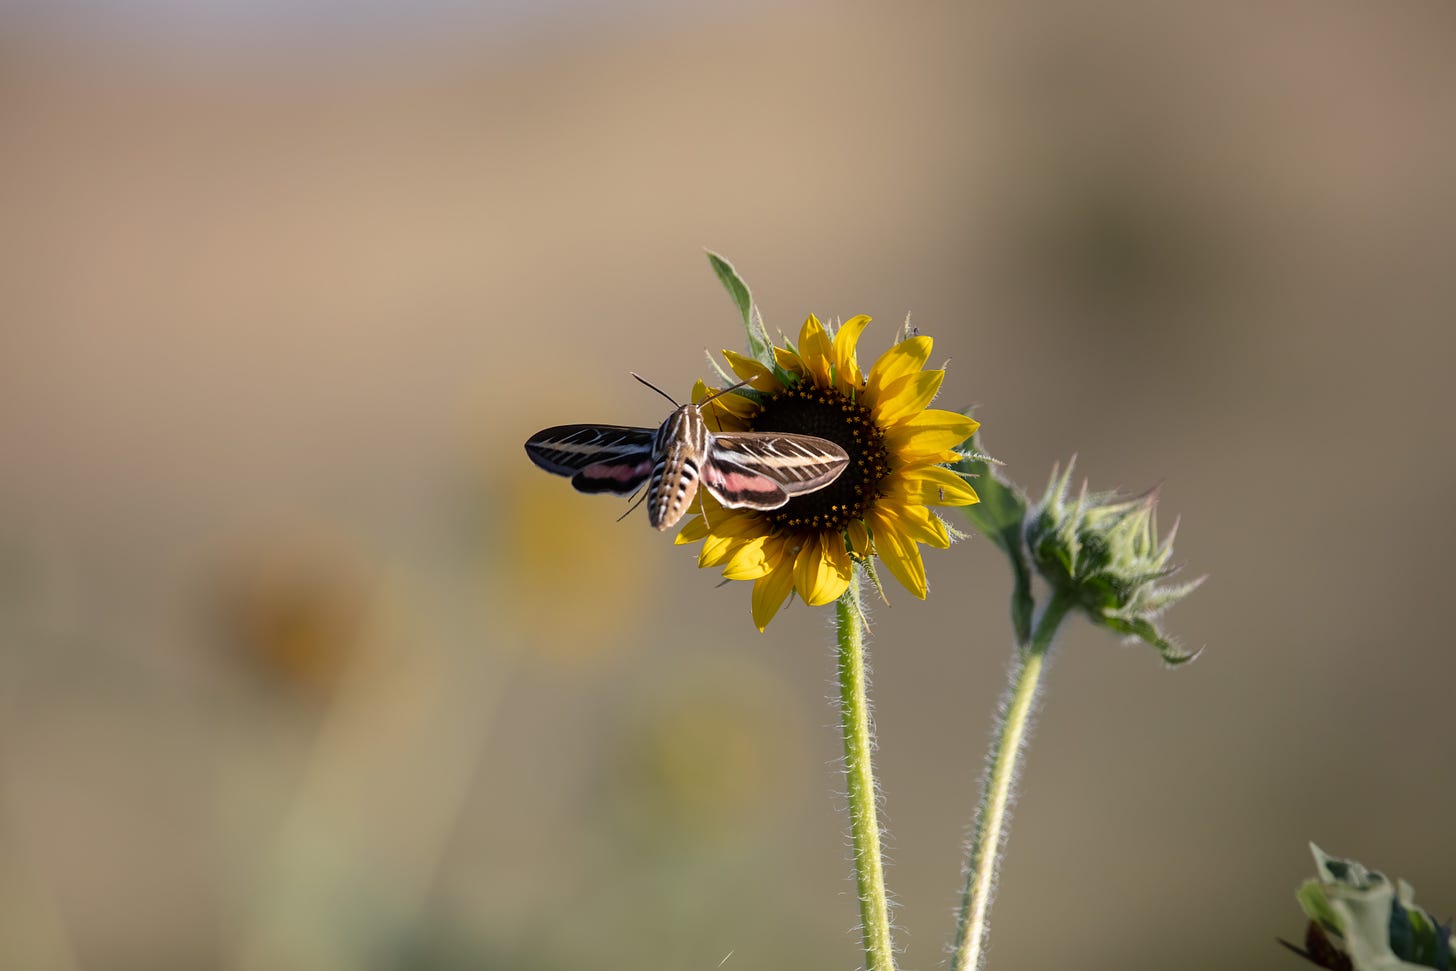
<point>764,470</point>
<point>799,463</point>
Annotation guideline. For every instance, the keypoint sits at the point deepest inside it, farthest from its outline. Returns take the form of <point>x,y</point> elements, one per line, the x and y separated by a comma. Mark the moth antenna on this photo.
<point>654,387</point>
<point>717,394</point>
<point>641,497</point>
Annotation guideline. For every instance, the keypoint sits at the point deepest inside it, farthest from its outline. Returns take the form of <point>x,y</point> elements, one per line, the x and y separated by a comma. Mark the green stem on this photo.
<point>989,841</point>
<point>854,710</point>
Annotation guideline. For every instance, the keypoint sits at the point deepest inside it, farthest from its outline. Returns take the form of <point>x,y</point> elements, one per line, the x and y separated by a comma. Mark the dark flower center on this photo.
<point>827,413</point>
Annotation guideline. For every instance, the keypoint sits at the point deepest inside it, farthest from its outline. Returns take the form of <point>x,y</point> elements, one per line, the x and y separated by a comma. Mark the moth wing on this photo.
<point>621,477</point>
<point>573,449</point>
<point>798,463</point>
<point>740,487</point>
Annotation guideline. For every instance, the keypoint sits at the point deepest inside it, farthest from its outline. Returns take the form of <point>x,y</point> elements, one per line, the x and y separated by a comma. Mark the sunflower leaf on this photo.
<point>742,298</point>
<point>1000,516</point>
<point>1372,924</point>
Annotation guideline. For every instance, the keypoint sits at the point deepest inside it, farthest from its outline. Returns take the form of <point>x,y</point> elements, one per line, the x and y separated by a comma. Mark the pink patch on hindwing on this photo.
<point>738,482</point>
<point>623,472</point>
<point>622,476</point>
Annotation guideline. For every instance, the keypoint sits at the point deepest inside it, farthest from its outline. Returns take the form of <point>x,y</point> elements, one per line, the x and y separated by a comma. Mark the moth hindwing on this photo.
<point>742,470</point>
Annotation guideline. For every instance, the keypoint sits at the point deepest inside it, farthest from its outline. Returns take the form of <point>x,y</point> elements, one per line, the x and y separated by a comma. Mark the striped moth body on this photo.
<point>742,470</point>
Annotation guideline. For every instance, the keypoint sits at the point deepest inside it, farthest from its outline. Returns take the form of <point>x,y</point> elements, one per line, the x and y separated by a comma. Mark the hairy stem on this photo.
<point>854,710</point>
<point>989,842</point>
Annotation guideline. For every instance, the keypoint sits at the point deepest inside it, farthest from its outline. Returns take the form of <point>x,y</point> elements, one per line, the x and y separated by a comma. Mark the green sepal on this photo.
<point>727,379</point>
<point>1145,631</point>
<point>758,344</point>
<point>1000,516</point>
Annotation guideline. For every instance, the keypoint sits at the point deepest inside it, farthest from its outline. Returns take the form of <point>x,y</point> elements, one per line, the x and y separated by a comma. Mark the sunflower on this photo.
<point>878,507</point>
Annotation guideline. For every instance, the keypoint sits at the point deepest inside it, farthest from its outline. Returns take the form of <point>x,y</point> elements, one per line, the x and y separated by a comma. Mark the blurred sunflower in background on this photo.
<point>879,507</point>
<point>527,529</point>
<point>300,612</point>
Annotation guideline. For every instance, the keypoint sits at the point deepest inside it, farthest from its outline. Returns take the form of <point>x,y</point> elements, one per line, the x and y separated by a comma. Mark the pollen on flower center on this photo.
<point>828,413</point>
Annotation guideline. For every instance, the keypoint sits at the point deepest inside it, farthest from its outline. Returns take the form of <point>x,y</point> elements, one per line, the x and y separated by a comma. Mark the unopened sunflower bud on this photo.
<point>1102,550</point>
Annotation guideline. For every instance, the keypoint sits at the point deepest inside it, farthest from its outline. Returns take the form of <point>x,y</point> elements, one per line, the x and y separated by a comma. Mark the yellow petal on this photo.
<point>789,361</point>
<point>904,358</point>
<point>759,376</point>
<point>740,523</point>
<point>769,594</point>
<point>719,421</point>
<point>859,537</point>
<point>694,530</point>
<point>815,350</point>
<point>931,485</point>
<point>928,435</point>
<point>922,525</point>
<point>846,366</point>
<point>906,396</point>
<point>725,412</point>
<point>727,532</point>
<point>839,561</point>
<point>718,550</point>
<point>899,553</point>
<point>756,558</point>
<point>812,327</point>
<point>734,407</point>
<point>819,575</point>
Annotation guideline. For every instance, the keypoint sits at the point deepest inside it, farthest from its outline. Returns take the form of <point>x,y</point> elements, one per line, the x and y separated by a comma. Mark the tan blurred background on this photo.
<point>303,666</point>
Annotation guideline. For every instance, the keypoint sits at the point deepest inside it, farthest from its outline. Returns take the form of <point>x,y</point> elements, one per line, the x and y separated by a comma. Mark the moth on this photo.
<point>742,470</point>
